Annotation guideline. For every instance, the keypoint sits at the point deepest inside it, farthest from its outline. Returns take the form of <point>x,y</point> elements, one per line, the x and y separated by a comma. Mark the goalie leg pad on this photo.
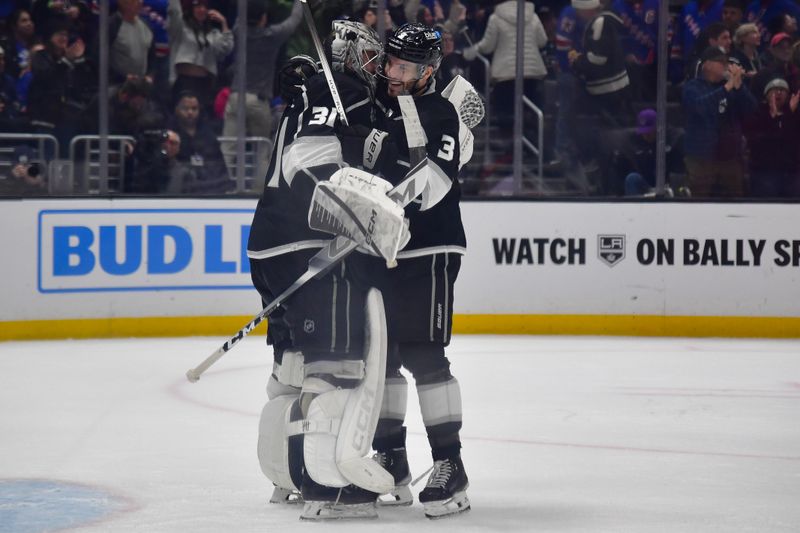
<point>340,423</point>
<point>273,440</point>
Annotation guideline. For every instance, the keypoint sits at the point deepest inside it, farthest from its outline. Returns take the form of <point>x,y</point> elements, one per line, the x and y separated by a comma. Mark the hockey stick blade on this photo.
<point>336,250</point>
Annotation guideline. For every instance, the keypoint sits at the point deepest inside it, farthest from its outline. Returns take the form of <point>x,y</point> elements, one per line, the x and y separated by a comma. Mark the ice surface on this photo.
<point>560,434</point>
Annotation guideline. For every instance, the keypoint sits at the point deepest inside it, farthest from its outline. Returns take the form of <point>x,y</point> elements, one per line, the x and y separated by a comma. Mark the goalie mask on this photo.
<point>408,54</point>
<point>355,47</point>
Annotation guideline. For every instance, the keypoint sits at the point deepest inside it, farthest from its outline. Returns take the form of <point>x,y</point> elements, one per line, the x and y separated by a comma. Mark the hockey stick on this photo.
<point>326,68</point>
<point>338,248</point>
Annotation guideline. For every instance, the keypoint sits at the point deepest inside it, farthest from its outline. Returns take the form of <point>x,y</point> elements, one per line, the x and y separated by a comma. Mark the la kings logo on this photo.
<point>611,249</point>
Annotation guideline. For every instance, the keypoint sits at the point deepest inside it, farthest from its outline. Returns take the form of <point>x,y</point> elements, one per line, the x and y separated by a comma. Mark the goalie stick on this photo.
<point>326,68</point>
<point>338,248</point>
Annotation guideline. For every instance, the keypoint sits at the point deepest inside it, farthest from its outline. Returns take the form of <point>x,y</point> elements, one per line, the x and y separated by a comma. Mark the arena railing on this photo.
<point>84,154</point>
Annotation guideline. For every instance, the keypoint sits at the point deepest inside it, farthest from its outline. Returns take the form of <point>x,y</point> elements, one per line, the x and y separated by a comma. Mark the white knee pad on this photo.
<point>340,423</point>
<point>273,440</point>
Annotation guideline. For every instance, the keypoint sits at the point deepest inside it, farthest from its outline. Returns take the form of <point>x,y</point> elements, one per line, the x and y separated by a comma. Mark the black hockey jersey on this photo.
<point>438,229</point>
<point>306,150</point>
<point>602,65</point>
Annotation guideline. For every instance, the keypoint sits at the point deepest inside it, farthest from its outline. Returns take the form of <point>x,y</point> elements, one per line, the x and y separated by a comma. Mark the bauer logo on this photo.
<point>611,249</point>
<point>90,250</point>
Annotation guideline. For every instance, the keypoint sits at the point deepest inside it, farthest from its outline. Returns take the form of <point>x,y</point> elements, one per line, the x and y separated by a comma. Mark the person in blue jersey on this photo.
<point>569,38</point>
<point>640,19</point>
<point>694,18</point>
<point>763,12</point>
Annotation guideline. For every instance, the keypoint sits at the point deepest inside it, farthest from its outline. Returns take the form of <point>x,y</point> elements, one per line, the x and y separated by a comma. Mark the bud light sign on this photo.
<point>91,250</point>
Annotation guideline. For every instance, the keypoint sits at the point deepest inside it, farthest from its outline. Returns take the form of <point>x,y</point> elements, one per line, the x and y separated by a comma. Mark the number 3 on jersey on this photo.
<point>446,152</point>
<point>323,115</point>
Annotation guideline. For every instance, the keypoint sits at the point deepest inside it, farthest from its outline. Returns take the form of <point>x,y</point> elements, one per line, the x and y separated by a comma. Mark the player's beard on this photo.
<point>398,88</point>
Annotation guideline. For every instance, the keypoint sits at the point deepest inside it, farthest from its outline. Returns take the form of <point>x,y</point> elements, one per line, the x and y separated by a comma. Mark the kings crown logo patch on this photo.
<point>611,249</point>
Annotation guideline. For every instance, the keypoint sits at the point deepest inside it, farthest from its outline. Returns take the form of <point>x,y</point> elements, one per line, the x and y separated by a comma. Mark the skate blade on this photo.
<point>282,496</point>
<point>399,497</point>
<point>459,503</point>
<point>323,511</point>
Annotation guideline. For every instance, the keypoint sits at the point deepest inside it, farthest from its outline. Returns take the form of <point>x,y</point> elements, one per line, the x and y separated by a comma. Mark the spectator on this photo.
<point>773,134</point>
<point>452,64</point>
<point>732,14</point>
<point>264,42</point>
<point>199,39</point>
<point>154,13</point>
<point>717,35</point>
<point>63,84</point>
<point>80,21</point>
<point>776,58</point>
<point>9,103</point>
<point>635,156</point>
<point>157,168</point>
<point>500,39</point>
<point>549,52</point>
<point>132,48</point>
<point>132,109</point>
<point>17,41</point>
<point>25,177</point>
<point>569,40</point>
<point>199,148</point>
<point>783,23</point>
<point>366,13</point>
<point>694,18</point>
<point>640,19</point>
<point>762,12</point>
<point>715,109</point>
<point>745,53</point>
<point>20,44</point>
<point>425,16</point>
<point>602,66</point>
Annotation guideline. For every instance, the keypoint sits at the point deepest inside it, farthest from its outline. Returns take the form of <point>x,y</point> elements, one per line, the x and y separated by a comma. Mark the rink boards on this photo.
<point>110,268</point>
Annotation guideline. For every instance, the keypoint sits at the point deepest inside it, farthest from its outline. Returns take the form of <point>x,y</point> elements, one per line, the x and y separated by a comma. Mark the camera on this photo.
<point>152,142</point>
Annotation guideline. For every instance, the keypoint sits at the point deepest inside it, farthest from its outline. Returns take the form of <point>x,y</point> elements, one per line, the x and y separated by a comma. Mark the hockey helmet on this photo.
<point>416,43</point>
<point>353,47</point>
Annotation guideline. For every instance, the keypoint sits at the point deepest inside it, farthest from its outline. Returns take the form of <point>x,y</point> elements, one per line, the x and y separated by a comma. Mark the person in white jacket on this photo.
<point>500,39</point>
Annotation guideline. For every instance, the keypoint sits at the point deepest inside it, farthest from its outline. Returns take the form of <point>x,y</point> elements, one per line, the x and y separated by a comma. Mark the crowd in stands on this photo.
<point>590,65</point>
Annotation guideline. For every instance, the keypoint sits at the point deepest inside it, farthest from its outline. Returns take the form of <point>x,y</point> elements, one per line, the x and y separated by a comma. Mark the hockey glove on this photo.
<point>366,147</point>
<point>353,204</point>
<point>293,74</point>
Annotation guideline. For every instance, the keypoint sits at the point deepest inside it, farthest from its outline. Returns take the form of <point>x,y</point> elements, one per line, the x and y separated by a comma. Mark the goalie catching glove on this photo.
<point>353,203</point>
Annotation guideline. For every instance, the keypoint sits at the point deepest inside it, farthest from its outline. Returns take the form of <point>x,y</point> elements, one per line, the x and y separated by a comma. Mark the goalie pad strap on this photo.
<point>302,427</point>
<point>338,369</point>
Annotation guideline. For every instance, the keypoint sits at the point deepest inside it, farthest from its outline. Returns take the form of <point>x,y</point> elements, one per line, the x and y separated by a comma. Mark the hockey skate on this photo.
<point>352,503</point>
<point>446,491</point>
<point>284,496</point>
<point>395,462</point>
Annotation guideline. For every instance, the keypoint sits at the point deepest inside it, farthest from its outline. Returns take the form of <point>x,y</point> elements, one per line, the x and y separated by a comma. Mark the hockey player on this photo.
<point>419,292</point>
<point>317,335</point>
